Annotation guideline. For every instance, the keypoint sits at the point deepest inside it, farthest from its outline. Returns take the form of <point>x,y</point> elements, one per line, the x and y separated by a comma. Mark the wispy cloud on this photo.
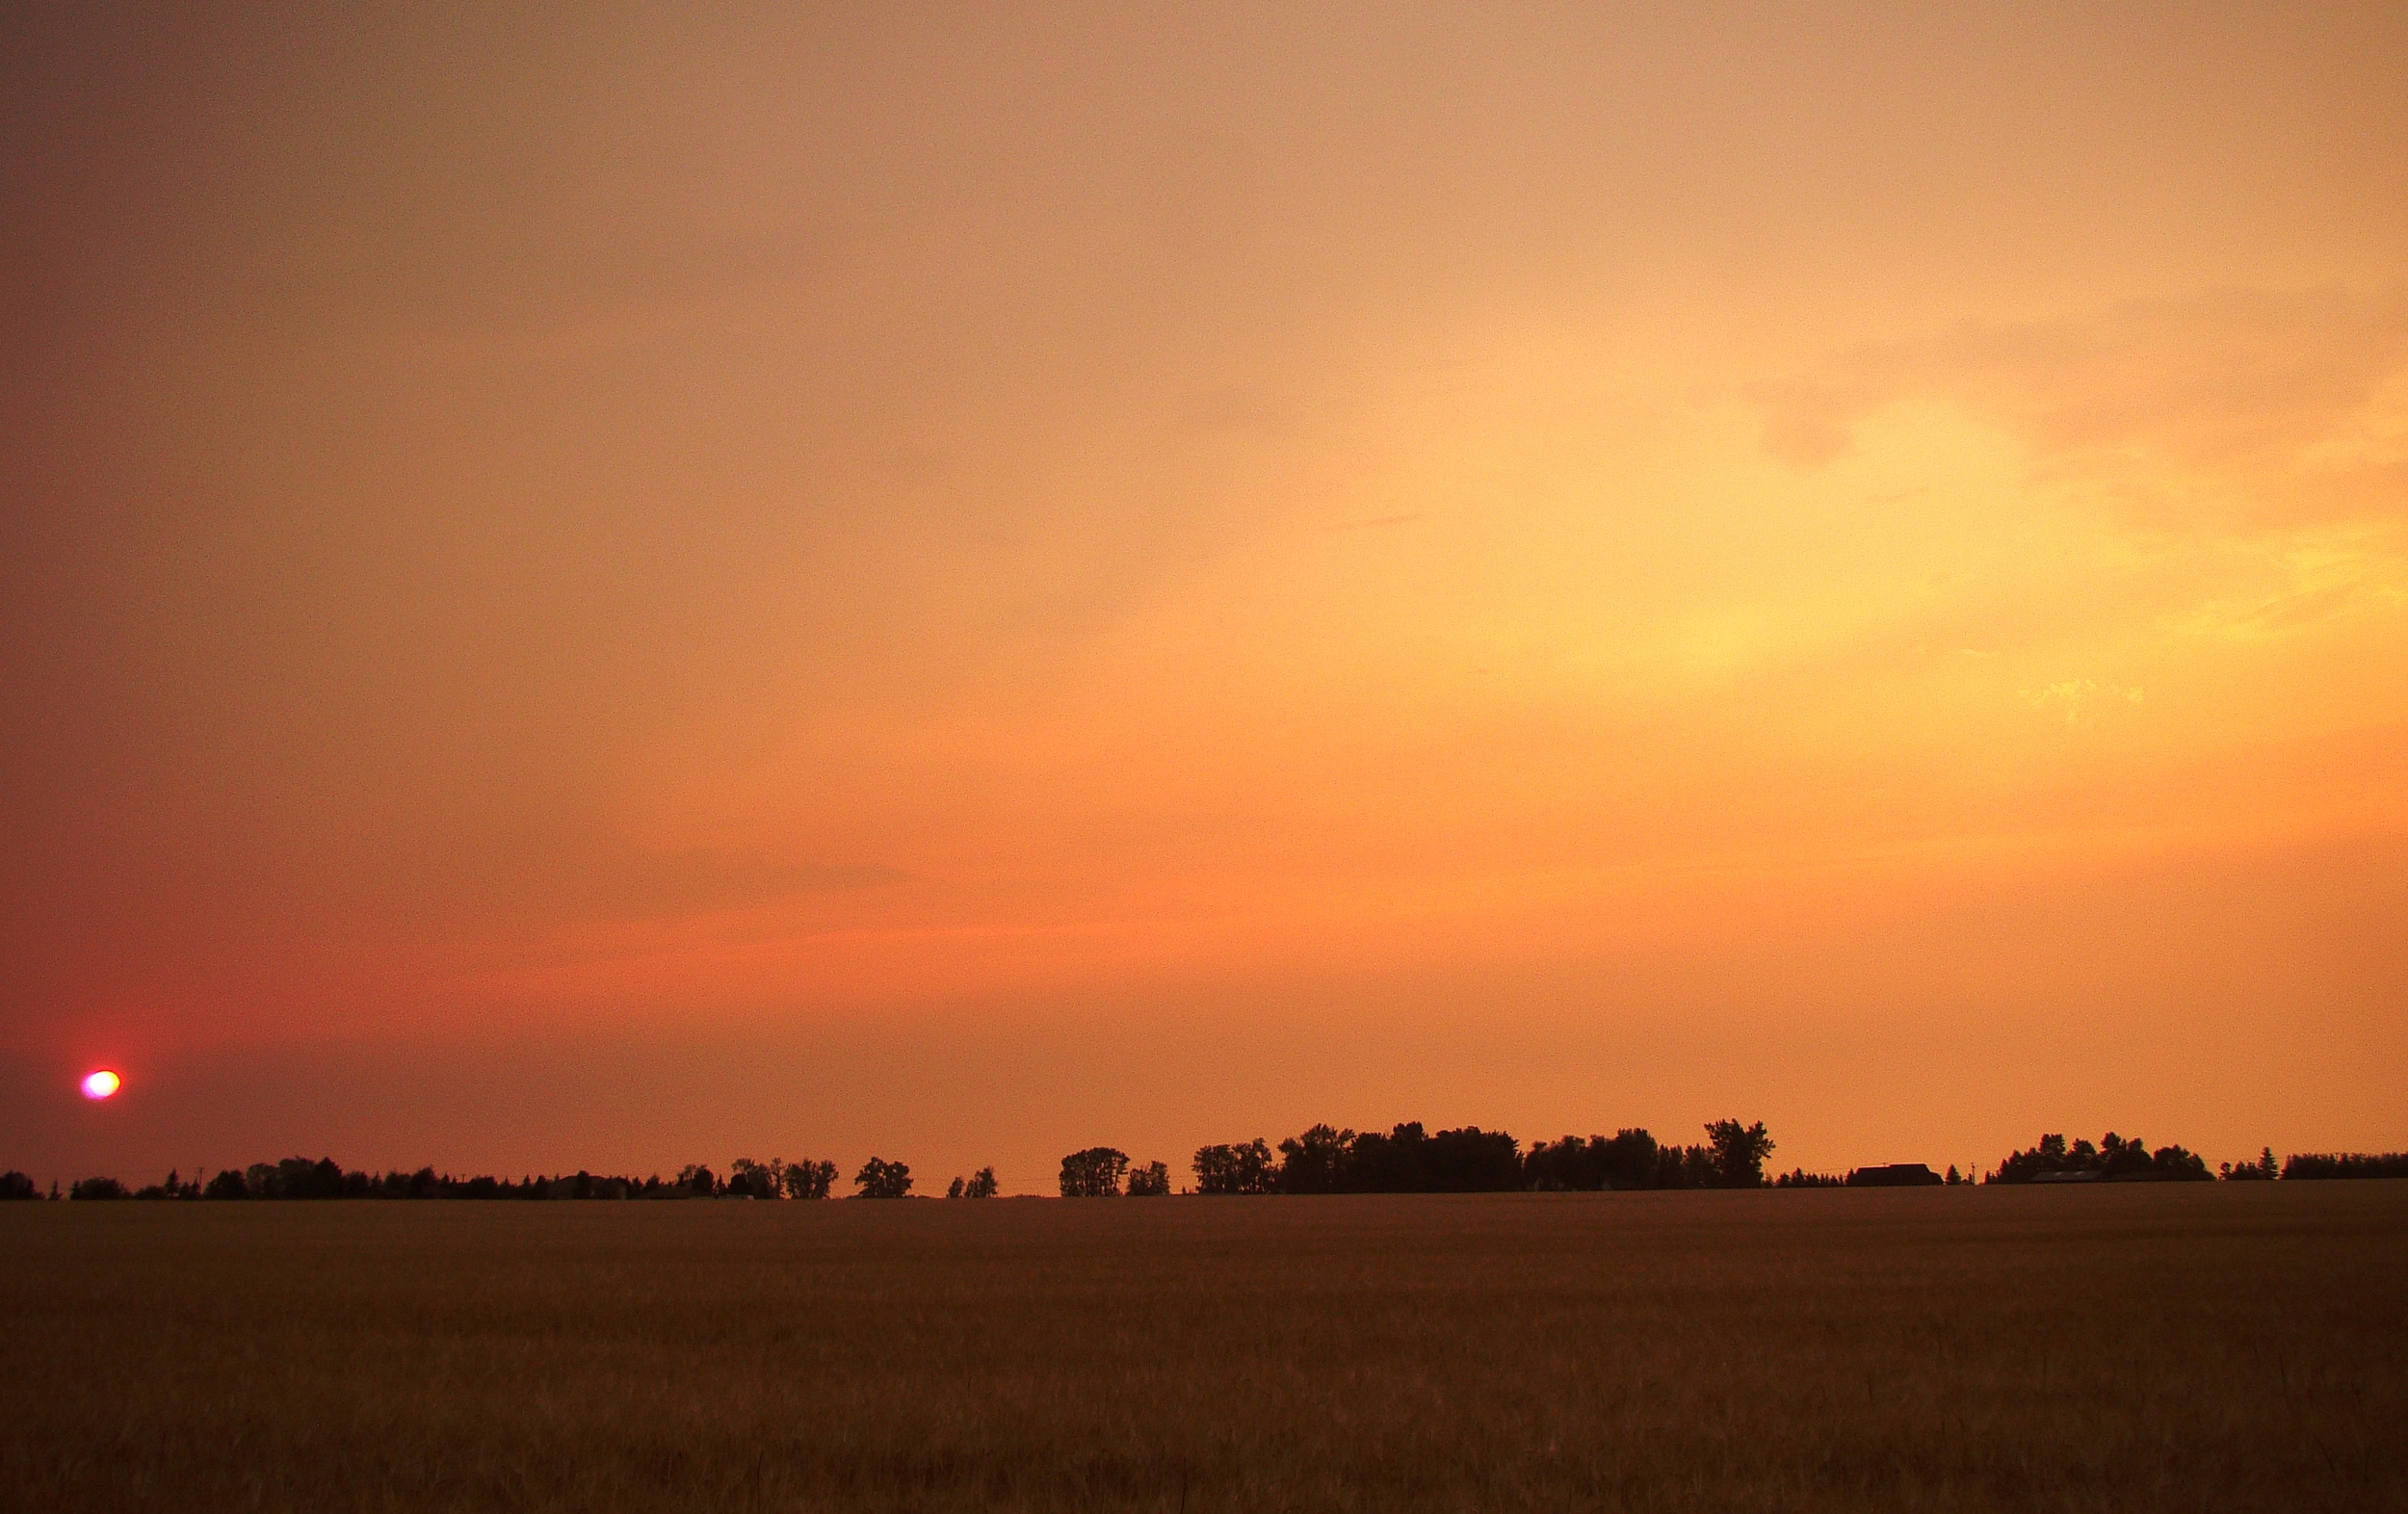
<point>2072,694</point>
<point>2281,407</point>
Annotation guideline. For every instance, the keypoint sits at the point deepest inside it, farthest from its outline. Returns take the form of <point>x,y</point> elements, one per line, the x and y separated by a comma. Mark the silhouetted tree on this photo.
<point>1471,1160</point>
<point>1739,1153</point>
<point>810,1180</point>
<point>2115,1159</point>
<point>1630,1159</point>
<point>98,1188</point>
<point>1626,1161</point>
<point>1561,1166</point>
<point>756,1179</point>
<point>14,1185</point>
<point>226,1183</point>
<point>1235,1169</point>
<point>1314,1161</point>
<point>879,1179</point>
<point>1395,1163</point>
<point>1151,1181</point>
<point>1686,1167</point>
<point>697,1180</point>
<point>2261,1170</point>
<point>1093,1173</point>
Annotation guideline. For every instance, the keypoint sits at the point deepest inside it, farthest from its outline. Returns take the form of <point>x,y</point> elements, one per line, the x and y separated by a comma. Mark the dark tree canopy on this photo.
<point>2345,1165</point>
<point>1317,1161</point>
<point>880,1179</point>
<point>979,1185</point>
<point>810,1180</point>
<point>1151,1181</point>
<point>2115,1159</point>
<point>1630,1158</point>
<point>1235,1169</point>
<point>1405,1160</point>
<point>1093,1173</point>
<point>1739,1153</point>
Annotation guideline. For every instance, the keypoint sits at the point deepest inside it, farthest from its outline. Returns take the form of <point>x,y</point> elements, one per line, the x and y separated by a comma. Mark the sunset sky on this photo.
<point>603,588</point>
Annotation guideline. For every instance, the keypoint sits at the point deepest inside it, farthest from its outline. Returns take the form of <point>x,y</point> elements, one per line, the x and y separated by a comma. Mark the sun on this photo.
<point>101,1085</point>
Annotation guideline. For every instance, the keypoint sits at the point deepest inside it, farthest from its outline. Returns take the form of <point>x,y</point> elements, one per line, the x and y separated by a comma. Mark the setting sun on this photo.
<point>101,1085</point>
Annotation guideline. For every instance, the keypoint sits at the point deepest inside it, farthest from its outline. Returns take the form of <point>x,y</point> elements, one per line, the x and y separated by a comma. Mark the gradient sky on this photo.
<point>600,589</point>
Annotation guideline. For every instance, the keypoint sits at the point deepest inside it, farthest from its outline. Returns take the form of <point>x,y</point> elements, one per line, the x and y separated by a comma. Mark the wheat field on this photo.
<point>2179,1347</point>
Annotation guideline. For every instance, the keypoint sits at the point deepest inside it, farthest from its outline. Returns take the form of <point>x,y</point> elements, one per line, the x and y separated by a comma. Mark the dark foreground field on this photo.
<point>2179,1349</point>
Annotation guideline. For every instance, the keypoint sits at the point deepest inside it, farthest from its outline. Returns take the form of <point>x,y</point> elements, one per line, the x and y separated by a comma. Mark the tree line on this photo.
<point>1407,1159</point>
<point>300,1177</point>
<point>2113,1160</point>
<point>2116,1159</point>
<point>1411,1159</point>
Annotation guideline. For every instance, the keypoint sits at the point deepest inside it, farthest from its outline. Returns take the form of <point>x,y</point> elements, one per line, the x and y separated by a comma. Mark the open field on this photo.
<point>2178,1348</point>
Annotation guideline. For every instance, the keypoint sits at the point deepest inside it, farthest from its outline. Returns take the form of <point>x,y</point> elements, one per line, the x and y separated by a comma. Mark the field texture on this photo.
<point>2183,1348</point>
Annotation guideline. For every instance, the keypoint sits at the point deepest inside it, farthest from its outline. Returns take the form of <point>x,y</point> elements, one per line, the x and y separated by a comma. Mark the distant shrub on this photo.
<point>98,1188</point>
<point>17,1186</point>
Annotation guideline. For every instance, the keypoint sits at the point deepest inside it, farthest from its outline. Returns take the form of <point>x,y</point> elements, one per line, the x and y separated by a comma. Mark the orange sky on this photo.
<point>613,589</point>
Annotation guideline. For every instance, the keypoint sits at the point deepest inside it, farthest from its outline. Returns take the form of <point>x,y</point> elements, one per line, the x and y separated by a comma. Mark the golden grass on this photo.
<point>2178,1348</point>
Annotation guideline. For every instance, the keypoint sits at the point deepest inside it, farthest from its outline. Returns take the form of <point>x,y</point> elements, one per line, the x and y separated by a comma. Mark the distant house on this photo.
<point>1897,1175</point>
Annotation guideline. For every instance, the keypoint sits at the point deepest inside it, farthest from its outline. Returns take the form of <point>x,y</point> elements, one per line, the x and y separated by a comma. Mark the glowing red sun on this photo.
<point>101,1085</point>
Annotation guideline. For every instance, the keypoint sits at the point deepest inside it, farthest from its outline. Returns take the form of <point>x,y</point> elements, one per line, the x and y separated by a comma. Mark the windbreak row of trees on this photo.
<point>300,1177</point>
<point>1732,1157</point>
<point>2345,1165</point>
<point>2117,1159</point>
<point>2113,1160</point>
<point>1901,1175</point>
<point>1409,1158</point>
<point>1097,1172</point>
